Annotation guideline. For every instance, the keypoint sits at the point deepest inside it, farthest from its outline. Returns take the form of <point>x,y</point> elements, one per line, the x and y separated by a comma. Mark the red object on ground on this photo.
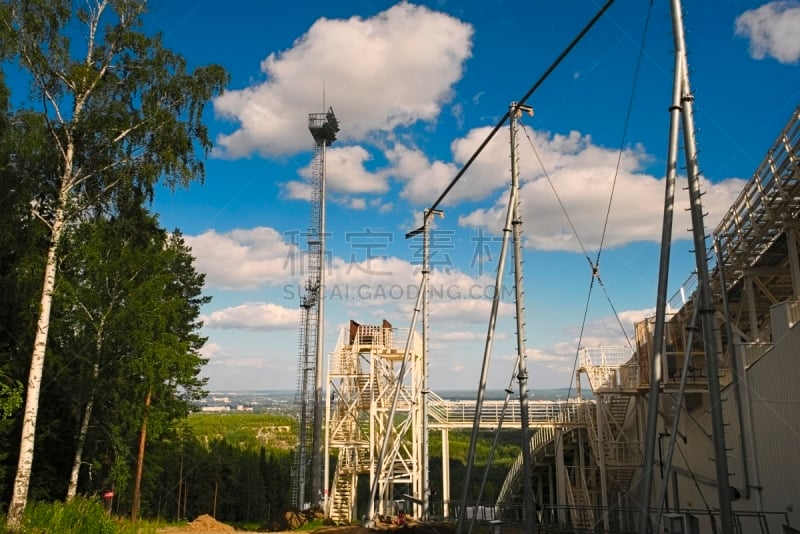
<point>108,498</point>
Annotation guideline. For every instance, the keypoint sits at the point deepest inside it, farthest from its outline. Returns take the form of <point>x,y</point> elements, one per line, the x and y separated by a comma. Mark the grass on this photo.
<point>311,525</point>
<point>81,516</point>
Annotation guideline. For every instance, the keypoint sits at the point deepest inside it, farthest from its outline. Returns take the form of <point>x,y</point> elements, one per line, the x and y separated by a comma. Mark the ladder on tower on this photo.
<point>304,400</point>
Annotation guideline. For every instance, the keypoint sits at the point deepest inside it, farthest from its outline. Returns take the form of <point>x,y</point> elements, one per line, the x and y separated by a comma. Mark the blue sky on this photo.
<point>416,87</point>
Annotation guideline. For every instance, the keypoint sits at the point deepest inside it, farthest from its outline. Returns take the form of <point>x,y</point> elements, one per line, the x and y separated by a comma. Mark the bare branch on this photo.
<point>124,133</point>
<point>93,24</point>
<point>38,215</point>
<point>51,128</point>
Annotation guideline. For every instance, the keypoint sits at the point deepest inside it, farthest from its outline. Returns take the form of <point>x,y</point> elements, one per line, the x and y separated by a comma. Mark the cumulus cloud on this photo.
<point>344,173</point>
<point>212,352</point>
<point>357,204</point>
<point>425,180</point>
<point>391,285</point>
<point>297,190</point>
<point>772,30</point>
<point>262,316</point>
<point>461,335</point>
<point>467,310</point>
<point>541,356</point>
<point>246,258</point>
<point>381,206</point>
<point>579,177</point>
<point>362,62</point>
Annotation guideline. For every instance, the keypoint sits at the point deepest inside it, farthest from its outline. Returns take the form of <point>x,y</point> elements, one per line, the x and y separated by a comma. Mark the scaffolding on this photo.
<point>363,376</point>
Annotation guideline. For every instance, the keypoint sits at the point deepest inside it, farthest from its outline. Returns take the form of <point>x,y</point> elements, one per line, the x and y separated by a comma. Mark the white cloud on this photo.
<point>344,175</point>
<point>391,70</point>
<point>426,180</point>
<point>212,352</point>
<point>345,172</point>
<point>357,204</point>
<point>381,206</point>
<point>582,175</point>
<point>256,365</point>
<point>297,190</point>
<point>467,310</point>
<point>460,335</point>
<point>773,30</point>
<point>246,259</point>
<point>390,285</point>
<point>540,356</point>
<point>606,331</point>
<point>262,316</point>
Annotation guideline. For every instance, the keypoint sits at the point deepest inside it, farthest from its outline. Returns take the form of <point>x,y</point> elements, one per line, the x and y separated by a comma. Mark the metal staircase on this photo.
<point>621,457</point>
<point>513,482</point>
<point>341,505</point>
<point>363,377</point>
<point>547,420</point>
<point>581,510</point>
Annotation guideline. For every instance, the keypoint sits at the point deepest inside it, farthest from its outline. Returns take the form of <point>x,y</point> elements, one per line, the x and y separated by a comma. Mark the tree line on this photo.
<point>190,473</point>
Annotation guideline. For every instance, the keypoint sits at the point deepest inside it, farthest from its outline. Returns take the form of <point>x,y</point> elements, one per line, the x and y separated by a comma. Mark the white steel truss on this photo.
<point>363,376</point>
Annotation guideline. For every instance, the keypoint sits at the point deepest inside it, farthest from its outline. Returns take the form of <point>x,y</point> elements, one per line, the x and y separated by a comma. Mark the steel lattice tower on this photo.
<point>308,456</point>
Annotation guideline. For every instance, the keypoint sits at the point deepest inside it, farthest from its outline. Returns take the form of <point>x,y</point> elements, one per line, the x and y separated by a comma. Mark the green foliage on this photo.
<point>508,446</point>
<point>249,431</point>
<point>78,517</point>
<point>127,105</point>
<point>188,475</point>
<point>10,398</point>
<point>124,321</point>
<point>109,112</point>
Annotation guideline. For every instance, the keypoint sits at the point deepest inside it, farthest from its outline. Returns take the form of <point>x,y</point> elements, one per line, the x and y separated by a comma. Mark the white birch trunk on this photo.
<point>72,488</point>
<point>19,496</point>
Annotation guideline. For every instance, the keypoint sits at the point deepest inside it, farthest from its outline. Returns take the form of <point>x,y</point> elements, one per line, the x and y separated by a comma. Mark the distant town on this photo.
<point>283,402</point>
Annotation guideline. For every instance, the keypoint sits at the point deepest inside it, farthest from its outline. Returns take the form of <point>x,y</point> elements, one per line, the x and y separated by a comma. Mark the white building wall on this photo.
<point>773,388</point>
<point>771,426</point>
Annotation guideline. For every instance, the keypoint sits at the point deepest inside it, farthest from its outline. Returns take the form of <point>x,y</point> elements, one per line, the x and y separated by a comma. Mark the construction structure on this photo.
<point>589,475</point>
<point>366,372</point>
<point>307,469</point>
<point>690,428</point>
<point>694,430</point>
<point>587,455</point>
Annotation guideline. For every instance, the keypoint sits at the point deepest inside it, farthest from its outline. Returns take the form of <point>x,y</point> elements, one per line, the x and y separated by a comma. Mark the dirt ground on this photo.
<point>206,524</point>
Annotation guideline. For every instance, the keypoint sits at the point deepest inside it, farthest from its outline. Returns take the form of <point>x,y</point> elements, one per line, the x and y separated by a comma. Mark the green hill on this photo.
<point>249,431</point>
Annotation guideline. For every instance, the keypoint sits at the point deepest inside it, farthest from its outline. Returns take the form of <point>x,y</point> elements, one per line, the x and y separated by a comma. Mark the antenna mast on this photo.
<point>308,456</point>
<point>682,116</point>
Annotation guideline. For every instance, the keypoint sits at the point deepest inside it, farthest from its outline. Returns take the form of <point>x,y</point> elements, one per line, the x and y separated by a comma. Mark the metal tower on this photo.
<point>308,456</point>
<point>374,388</point>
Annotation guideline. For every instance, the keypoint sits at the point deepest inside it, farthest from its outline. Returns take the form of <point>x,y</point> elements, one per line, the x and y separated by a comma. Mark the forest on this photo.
<point>99,305</point>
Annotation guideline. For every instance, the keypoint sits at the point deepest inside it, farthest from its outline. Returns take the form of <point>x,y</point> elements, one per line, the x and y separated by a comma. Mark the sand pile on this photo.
<point>204,524</point>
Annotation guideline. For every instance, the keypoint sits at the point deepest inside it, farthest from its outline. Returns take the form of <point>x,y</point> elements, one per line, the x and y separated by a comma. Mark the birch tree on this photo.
<point>121,112</point>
